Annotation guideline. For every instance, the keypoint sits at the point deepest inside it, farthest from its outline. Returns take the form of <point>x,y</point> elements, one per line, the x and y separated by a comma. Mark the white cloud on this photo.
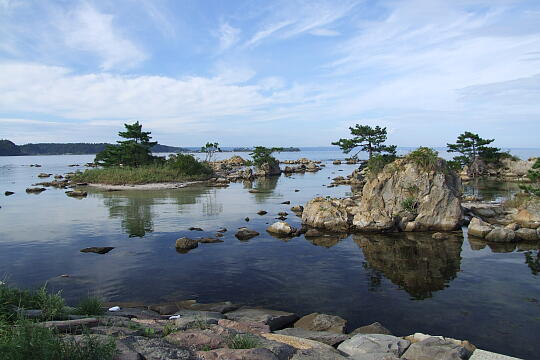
<point>292,18</point>
<point>86,29</point>
<point>228,36</point>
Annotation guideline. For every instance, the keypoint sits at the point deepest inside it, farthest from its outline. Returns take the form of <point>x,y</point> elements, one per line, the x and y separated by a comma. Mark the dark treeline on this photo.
<point>8,148</point>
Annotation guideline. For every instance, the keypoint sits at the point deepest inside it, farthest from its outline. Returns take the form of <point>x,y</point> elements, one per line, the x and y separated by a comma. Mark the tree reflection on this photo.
<point>532,260</point>
<point>264,186</point>
<point>136,209</point>
<point>414,261</point>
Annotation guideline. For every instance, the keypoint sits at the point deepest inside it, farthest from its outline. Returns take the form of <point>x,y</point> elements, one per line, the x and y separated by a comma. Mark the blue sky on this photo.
<point>270,72</point>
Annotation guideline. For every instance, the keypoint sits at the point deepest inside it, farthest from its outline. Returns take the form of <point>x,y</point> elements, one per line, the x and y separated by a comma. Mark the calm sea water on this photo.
<point>466,289</point>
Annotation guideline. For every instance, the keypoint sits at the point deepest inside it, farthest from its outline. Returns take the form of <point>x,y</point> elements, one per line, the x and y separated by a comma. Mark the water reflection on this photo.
<point>532,260</point>
<point>411,260</point>
<point>135,209</point>
<point>326,240</point>
<point>264,187</point>
<point>496,247</point>
<point>490,190</point>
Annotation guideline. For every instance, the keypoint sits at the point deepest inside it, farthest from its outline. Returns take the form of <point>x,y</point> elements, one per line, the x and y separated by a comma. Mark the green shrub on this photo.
<point>409,204</point>
<point>23,340</point>
<point>534,177</point>
<point>378,162</point>
<point>262,155</point>
<point>424,157</point>
<point>90,306</point>
<point>243,341</point>
<point>188,165</point>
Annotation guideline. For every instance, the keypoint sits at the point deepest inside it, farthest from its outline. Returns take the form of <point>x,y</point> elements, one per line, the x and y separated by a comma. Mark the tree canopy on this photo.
<point>471,146</point>
<point>210,149</point>
<point>134,151</point>
<point>367,139</point>
<point>263,155</point>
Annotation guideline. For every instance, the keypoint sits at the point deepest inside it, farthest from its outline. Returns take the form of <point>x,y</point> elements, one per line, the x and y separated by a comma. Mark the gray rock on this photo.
<point>374,328</point>
<point>439,236</point>
<point>322,322</point>
<point>527,234</point>
<point>374,344</point>
<point>137,313</point>
<point>193,319</point>
<point>326,337</point>
<point>434,348</point>
<point>479,228</point>
<point>281,228</point>
<point>500,234</point>
<point>275,319</point>
<point>154,349</point>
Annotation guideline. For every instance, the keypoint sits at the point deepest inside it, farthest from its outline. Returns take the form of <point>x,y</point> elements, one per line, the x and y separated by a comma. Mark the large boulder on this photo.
<point>527,234</point>
<point>329,214</point>
<point>436,348</point>
<point>378,344</point>
<point>479,228</point>
<point>500,234</point>
<point>326,337</point>
<point>374,328</point>
<point>275,319</point>
<point>268,169</point>
<point>322,322</point>
<point>529,217</point>
<point>410,197</point>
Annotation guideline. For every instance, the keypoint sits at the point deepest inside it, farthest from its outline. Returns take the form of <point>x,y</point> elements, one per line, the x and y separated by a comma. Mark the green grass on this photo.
<point>51,304</point>
<point>23,340</point>
<point>140,175</point>
<point>90,306</point>
<point>243,341</point>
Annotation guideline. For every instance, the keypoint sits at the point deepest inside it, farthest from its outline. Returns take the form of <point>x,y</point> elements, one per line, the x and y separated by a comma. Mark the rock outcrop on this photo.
<point>404,196</point>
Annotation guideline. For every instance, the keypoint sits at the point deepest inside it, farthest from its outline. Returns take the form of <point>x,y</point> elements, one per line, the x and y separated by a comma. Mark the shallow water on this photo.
<point>466,289</point>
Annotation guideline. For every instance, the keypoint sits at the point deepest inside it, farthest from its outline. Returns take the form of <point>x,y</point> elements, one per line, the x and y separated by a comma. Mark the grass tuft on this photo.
<point>91,305</point>
<point>243,341</point>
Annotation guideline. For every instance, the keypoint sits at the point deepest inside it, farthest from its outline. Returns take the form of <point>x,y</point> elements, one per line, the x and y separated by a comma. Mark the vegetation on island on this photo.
<point>210,150</point>
<point>534,177</point>
<point>474,150</point>
<point>130,161</point>
<point>21,338</point>
<point>262,155</point>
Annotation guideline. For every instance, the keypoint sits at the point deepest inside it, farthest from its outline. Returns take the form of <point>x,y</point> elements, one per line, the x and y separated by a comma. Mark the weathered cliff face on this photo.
<point>404,196</point>
<point>410,197</point>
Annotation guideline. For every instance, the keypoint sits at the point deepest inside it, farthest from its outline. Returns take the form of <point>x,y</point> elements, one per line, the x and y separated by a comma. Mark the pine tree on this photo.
<point>368,139</point>
<point>133,152</point>
<point>471,147</point>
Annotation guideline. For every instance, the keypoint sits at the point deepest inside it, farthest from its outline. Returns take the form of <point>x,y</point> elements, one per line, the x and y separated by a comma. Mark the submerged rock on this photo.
<point>35,190</point>
<point>8,193</point>
<point>77,193</point>
<point>97,249</point>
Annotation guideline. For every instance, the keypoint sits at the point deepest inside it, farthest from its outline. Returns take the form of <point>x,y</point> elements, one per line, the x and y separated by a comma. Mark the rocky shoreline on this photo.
<point>225,331</point>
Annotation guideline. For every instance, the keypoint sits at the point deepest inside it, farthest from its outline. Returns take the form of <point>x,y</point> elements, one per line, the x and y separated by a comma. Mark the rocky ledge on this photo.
<point>220,331</point>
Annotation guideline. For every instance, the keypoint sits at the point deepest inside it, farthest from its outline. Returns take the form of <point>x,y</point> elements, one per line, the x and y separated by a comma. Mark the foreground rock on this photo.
<point>404,196</point>
<point>374,328</point>
<point>322,322</point>
<point>375,345</point>
<point>326,337</point>
<point>275,319</point>
<point>436,348</point>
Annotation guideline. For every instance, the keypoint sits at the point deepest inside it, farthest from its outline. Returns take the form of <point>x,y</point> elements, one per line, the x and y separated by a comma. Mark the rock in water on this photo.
<point>186,243</point>
<point>246,234</point>
<point>403,196</point>
<point>97,249</point>
<point>410,197</point>
<point>281,228</point>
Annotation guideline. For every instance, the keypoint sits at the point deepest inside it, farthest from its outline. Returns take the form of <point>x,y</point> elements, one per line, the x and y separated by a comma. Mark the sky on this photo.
<point>272,73</point>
